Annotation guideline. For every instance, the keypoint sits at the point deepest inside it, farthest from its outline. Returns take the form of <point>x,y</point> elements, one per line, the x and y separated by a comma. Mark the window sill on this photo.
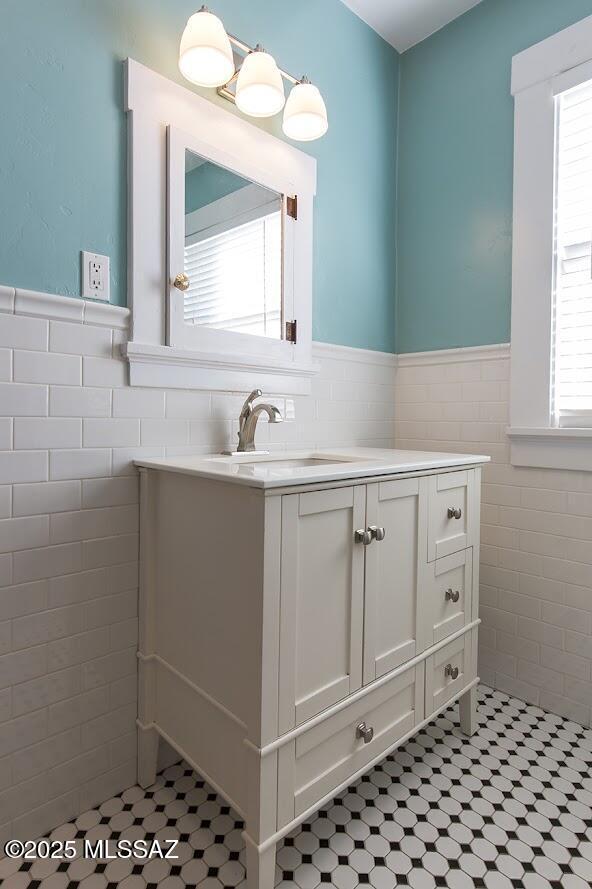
<point>551,448</point>
<point>164,367</point>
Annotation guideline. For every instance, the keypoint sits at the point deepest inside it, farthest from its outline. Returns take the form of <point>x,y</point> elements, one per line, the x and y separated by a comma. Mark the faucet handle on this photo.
<point>256,393</point>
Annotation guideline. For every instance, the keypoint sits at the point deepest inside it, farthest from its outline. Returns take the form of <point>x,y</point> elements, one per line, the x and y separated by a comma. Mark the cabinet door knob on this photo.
<point>452,595</point>
<point>363,731</point>
<point>454,512</point>
<point>181,282</point>
<point>363,536</point>
<point>451,671</point>
<point>376,532</point>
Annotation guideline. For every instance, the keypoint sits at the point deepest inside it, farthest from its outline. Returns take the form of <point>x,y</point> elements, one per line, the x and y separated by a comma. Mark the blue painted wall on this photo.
<point>455,173</point>
<point>208,183</point>
<point>63,142</point>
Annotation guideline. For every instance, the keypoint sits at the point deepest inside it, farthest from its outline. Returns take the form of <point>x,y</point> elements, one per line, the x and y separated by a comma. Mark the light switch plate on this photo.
<point>95,276</point>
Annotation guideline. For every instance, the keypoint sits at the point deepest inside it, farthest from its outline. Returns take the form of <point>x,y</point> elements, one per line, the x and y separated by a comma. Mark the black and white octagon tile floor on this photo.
<point>511,808</point>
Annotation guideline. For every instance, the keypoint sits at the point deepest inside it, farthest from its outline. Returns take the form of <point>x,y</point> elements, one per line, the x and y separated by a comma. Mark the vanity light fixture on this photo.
<point>305,114</point>
<point>259,85</point>
<point>205,54</point>
<point>249,77</point>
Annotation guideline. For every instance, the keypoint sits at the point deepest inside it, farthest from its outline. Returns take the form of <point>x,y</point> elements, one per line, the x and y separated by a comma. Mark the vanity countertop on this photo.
<point>282,469</point>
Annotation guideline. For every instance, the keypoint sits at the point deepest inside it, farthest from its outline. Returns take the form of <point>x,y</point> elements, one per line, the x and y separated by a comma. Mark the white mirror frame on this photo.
<point>214,359</point>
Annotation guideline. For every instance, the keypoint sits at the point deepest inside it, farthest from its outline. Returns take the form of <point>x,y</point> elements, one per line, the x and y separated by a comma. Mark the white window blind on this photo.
<point>572,328</point>
<point>235,278</point>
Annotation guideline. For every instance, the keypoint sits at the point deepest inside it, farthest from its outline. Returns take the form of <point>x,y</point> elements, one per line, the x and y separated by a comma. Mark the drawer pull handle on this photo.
<point>363,536</point>
<point>451,671</point>
<point>376,532</point>
<point>454,512</point>
<point>452,595</point>
<point>362,731</point>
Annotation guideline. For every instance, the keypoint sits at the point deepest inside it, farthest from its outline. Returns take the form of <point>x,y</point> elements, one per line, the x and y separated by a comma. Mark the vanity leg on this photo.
<point>467,706</point>
<point>147,756</point>
<point>260,866</point>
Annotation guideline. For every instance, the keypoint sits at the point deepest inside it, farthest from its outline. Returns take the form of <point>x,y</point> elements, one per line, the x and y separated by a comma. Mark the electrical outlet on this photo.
<point>95,276</point>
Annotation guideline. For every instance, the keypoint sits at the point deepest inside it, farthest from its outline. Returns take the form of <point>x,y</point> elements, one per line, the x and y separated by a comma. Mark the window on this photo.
<point>572,320</point>
<point>551,375</point>
<point>245,259</point>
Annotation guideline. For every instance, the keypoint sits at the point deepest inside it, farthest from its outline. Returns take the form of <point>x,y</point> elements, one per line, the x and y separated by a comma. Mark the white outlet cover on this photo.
<point>95,276</point>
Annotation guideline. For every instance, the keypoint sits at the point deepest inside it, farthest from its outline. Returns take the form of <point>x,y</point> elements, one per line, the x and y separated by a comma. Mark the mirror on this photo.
<point>232,251</point>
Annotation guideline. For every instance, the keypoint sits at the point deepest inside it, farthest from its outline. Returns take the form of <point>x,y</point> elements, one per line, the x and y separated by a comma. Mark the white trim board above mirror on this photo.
<point>165,121</point>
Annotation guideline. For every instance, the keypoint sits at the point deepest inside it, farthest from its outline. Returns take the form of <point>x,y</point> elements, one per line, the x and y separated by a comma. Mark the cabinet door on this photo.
<point>395,618</point>
<point>322,595</point>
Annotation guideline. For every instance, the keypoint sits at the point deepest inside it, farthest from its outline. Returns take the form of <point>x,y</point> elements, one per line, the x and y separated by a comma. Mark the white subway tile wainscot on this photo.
<point>70,427</point>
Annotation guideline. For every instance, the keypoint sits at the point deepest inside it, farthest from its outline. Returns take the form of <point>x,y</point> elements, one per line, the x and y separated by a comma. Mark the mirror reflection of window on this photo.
<point>233,251</point>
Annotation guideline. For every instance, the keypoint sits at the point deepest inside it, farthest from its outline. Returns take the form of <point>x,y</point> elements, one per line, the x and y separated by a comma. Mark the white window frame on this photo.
<point>164,119</point>
<point>538,75</point>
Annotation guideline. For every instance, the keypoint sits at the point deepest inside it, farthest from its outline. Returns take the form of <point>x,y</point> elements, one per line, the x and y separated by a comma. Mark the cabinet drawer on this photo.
<point>450,513</point>
<point>449,670</point>
<point>328,754</point>
<point>449,596</point>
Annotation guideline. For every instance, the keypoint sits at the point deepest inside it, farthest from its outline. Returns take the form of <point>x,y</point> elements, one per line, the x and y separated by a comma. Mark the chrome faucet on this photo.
<point>247,421</point>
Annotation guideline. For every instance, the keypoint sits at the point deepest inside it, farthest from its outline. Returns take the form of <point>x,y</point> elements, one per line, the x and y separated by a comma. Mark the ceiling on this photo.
<point>192,161</point>
<point>403,23</point>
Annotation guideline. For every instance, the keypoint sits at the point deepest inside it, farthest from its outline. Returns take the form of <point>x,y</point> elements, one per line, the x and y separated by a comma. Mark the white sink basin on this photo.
<point>295,463</point>
<point>268,466</point>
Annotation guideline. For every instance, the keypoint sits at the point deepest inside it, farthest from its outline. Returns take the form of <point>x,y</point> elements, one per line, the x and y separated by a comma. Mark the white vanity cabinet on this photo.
<point>294,631</point>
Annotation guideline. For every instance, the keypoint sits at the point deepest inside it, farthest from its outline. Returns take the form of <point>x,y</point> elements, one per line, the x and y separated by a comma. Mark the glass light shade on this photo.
<point>259,87</point>
<point>305,114</point>
<point>205,55</point>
